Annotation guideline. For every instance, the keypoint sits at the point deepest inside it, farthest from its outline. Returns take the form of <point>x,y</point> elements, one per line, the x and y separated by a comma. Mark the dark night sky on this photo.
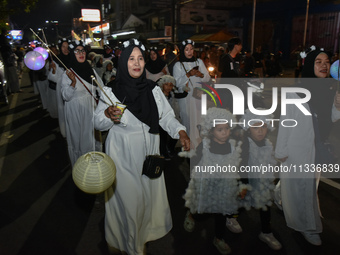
<point>51,10</point>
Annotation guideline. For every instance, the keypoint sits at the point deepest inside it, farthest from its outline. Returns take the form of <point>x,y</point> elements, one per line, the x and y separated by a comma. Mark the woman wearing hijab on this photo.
<point>55,75</point>
<point>296,146</point>
<point>137,208</point>
<point>190,72</point>
<point>78,91</point>
<point>155,67</point>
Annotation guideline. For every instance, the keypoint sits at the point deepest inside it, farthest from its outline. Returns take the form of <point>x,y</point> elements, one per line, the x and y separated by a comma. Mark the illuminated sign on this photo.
<point>16,34</point>
<point>105,28</point>
<point>90,15</point>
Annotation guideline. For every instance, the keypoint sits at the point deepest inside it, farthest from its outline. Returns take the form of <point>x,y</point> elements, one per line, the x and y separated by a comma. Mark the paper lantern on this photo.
<point>34,60</point>
<point>94,172</point>
<point>334,70</point>
<point>42,51</point>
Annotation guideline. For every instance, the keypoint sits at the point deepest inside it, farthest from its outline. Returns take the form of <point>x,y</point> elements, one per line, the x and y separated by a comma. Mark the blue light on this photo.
<point>335,70</point>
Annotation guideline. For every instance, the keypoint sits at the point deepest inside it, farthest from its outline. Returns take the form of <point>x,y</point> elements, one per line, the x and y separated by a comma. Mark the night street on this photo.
<point>43,212</point>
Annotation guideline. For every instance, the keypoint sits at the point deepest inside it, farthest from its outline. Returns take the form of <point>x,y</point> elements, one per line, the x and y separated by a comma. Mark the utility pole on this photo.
<point>253,28</point>
<point>176,19</point>
<point>306,23</point>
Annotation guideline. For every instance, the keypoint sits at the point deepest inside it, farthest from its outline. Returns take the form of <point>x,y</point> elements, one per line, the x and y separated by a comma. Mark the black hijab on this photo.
<point>84,70</point>
<point>65,59</point>
<point>136,93</point>
<point>155,66</point>
<point>322,95</point>
<point>182,56</point>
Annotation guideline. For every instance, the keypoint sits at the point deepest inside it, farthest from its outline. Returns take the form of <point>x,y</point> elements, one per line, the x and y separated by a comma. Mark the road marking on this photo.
<point>27,221</point>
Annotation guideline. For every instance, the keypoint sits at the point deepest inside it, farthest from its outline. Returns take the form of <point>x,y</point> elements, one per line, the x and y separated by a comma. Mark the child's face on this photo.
<point>167,87</point>
<point>258,133</point>
<point>109,67</point>
<point>221,133</point>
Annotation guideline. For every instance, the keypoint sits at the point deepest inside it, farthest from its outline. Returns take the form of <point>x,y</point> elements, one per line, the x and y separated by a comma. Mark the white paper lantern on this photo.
<point>94,172</point>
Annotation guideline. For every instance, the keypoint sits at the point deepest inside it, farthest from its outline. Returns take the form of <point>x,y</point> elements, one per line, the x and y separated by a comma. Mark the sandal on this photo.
<point>189,222</point>
<point>221,246</point>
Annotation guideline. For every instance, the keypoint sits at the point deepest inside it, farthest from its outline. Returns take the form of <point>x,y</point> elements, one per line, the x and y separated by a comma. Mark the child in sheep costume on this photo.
<point>257,151</point>
<point>219,193</point>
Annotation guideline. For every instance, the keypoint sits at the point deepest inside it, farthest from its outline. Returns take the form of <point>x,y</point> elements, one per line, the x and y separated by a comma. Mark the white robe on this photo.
<point>57,78</point>
<point>262,185</point>
<point>190,107</point>
<point>79,108</point>
<point>217,192</point>
<point>52,105</point>
<point>137,209</point>
<point>156,76</point>
<point>42,86</point>
<point>299,190</point>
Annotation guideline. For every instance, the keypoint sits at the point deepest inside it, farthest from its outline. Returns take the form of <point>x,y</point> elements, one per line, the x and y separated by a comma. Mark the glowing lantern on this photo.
<point>334,70</point>
<point>42,51</point>
<point>94,172</point>
<point>34,60</point>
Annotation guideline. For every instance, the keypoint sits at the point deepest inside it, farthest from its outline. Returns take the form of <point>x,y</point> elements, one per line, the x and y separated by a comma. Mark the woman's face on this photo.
<point>258,132</point>
<point>64,48</point>
<point>80,54</point>
<point>221,133</point>
<point>322,66</point>
<point>153,55</point>
<point>188,51</point>
<point>136,63</point>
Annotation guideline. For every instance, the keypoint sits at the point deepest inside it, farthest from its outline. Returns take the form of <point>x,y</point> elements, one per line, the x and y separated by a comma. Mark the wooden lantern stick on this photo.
<point>101,88</point>
<point>46,42</point>
<point>67,69</point>
<point>49,49</point>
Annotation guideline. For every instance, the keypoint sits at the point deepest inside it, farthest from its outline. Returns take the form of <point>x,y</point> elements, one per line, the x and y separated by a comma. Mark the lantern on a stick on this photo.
<point>42,51</point>
<point>94,172</point>
<point>335,70</point>
<point>34,60</point>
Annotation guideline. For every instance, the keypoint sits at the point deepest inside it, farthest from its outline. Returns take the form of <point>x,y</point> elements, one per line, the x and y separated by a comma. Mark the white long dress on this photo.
<point>57,78</point>
<point>262,184</point>
<point>42,86</point>
<point>299,190</point>
<point>137,209</point>
<point>79,109</point>
<point>217,192</point>
<point>156,76</point>
<point>190,107</point>
<point>52,105</point>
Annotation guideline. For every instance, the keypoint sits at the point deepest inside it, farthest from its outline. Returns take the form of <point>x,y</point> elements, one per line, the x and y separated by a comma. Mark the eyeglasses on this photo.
<point>79,52</point>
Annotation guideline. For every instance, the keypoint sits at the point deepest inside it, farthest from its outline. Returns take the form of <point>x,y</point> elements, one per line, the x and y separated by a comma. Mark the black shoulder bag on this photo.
<point>153,165</point>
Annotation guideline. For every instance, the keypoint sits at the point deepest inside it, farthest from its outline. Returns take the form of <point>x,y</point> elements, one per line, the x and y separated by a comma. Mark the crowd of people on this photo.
<point>162,96</point>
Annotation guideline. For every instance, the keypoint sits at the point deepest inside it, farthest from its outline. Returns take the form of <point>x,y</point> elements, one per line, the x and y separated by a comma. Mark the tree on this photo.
<point>15,7</point>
